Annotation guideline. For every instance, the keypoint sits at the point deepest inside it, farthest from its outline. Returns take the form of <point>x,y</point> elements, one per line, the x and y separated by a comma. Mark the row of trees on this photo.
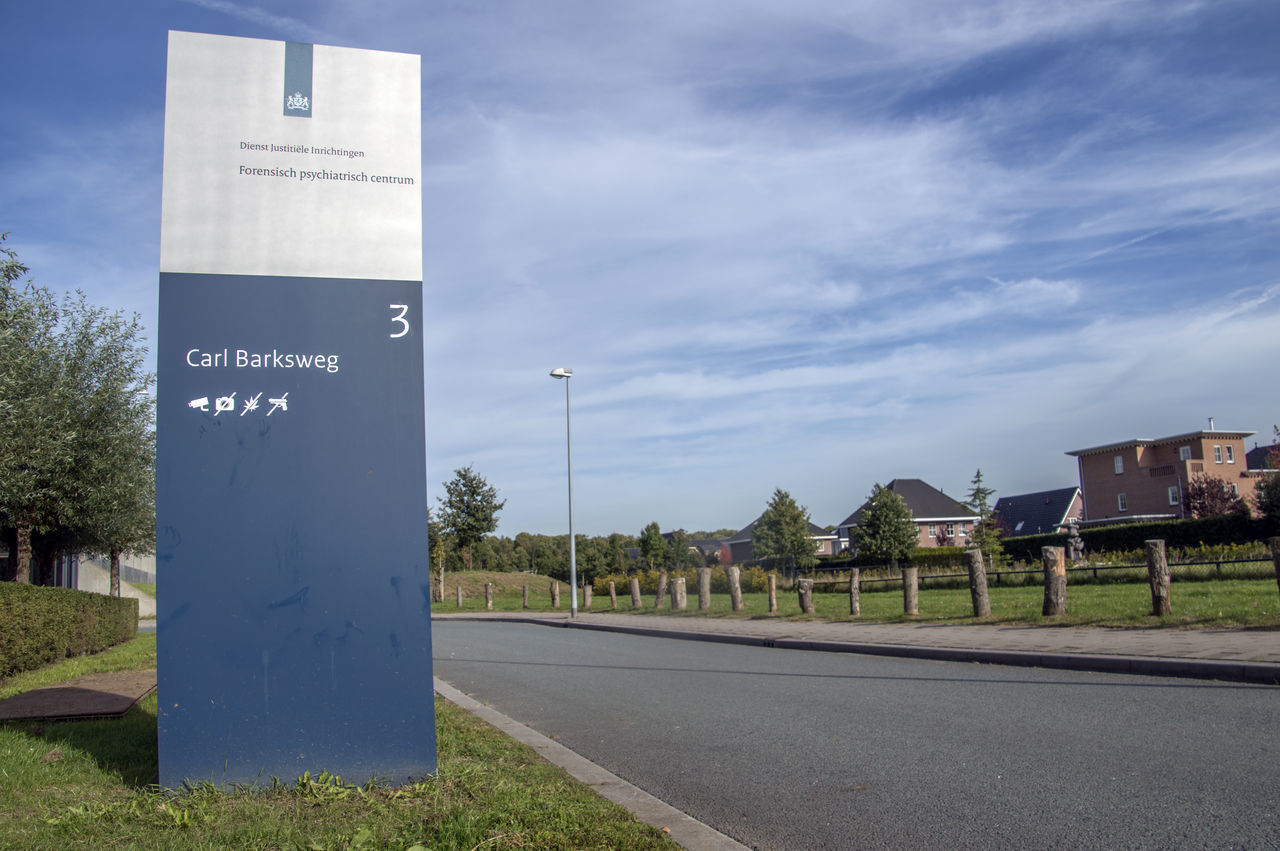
<point>77,440</point>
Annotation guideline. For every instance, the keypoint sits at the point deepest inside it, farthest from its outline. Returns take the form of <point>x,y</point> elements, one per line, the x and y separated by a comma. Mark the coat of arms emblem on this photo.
<point>297,100</point>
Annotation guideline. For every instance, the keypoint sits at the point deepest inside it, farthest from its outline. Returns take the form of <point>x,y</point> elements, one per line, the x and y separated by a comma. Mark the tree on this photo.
<point>77,446</point>
<point>987,528</point>
<point>885,530</point>
<point>653,547</point>
<point>783,531</point>
<point>1207,495</point>
<point>1266,497</point>
<point>469,510</point>
<point>680,555</point>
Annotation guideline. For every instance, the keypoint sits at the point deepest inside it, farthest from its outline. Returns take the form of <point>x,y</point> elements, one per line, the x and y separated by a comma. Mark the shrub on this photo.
<point>45,625</point>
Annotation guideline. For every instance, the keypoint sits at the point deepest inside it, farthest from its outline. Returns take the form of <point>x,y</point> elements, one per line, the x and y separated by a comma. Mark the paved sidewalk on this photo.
<point>1235,655</point>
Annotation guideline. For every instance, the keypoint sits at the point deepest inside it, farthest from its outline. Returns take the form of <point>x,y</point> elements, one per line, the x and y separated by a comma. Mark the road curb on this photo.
<point>1204,669</point>
<point>683,829</point>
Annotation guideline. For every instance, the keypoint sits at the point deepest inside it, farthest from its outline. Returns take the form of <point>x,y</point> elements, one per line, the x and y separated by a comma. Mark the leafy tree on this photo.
<point>783,531</point>
<point>1207,495</point>
<point>1266,496</point>
<point>77,450</point>
<point>987,529</point>
<point>653,547</point>
<point>469,510</point>
<point>680,555</point>
<point>885,531</point>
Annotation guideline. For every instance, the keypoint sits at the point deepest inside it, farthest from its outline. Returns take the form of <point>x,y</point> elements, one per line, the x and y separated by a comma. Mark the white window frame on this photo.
<point>1231,455</point>
<point>951,530</point>
<point>1217,454</point>
<point>933,530</point>
<point>1235,490</point>
<point>1175,495</point>
<point>1122,501</point>
<point>1184,453</point>
<point>1118,462</point>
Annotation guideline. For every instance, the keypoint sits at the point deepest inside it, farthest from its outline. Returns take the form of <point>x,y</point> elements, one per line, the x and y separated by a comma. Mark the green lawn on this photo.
<point>90,784</point>
<point>1201,603</point>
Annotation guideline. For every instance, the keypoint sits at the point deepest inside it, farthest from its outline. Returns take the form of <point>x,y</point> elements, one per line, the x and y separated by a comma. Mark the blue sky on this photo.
<point>810,245</point>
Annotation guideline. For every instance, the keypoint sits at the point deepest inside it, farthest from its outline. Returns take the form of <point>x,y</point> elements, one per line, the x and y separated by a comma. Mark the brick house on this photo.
<point>1144,479</point>
<point>938,517</point>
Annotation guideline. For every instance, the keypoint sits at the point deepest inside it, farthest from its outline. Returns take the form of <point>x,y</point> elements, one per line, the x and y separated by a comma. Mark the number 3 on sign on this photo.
<point>400,320</point>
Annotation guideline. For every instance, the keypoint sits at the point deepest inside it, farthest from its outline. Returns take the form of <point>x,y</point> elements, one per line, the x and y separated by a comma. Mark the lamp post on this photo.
<point>566,374</point>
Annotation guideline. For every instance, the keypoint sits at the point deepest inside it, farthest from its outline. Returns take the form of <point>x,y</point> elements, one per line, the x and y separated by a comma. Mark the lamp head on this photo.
<point>562,372</point>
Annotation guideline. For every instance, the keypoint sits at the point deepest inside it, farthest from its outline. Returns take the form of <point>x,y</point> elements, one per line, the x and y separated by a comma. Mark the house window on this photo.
<point>951,530</point>
<point>1235,491</point>
<point>1217,454</point>
<point>1174,496</point>
<point>1119,462</point>
<point>1123,502</point>
<point>933,530</point>
<point>1184,453</point>
<point>1231,455</point>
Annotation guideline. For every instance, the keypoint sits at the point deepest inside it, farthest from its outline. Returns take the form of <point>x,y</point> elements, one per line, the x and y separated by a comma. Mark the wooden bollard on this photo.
<point>704,589</point>
<point>911,590</point>
<point>805,587</point>
<point>679,595</point>
<point>555,594</point>
<point>773,593</point>
<point>636,602</point>
<point>735,586</point>
<point>613,594</point>
<point>587,588</point>
<point>1055,581</point>
<point>459,590</point>
<point>663,579</point>
<point>526,596</point>
<point>488,596</point>
<point>978,584</point>
<point>855,592</point>
<point>1158,576</point>
<point>1275,557</point>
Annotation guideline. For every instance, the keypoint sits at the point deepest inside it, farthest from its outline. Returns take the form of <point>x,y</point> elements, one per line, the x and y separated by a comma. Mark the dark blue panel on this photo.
<point>294,616</point>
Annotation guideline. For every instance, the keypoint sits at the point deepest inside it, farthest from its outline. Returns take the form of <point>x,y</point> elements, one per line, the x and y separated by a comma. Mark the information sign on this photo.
<point>292,571</point>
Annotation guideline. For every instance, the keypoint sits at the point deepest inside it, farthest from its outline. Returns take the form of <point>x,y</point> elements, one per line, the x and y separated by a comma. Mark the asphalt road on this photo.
<point>798,749</point>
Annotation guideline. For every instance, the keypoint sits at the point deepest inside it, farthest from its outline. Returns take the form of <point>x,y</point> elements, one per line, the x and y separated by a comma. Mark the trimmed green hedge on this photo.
<point>42,625</point>
<point>1224,529</point>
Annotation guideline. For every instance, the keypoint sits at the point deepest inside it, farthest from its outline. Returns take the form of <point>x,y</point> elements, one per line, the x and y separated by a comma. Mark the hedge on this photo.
<point>43,625</point>
<point>1224,529</point>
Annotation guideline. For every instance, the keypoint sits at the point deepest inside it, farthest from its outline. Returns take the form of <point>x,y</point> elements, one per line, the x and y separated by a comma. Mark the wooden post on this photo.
<point>773,593</point>
<point>526,596</point>
<point>459,589</point>
<point>735,586</point>
<point>679,595</point>
<point>613,594</point>
<point>488,596</point>
<point>704,589</point>
<point>911,590</point>
<point>805,587</point>
<point>1055,581</point>
<point>1275,557</point>
<point>555,594</point>
<point>1158,576</point>
<point>663,579</point>
<point>635,592</point>
<point>978,584</point>
<point>587,589</point>
<point>855,592</point>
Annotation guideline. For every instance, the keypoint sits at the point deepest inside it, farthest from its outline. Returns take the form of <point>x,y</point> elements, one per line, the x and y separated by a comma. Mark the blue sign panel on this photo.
<point>293,581</point>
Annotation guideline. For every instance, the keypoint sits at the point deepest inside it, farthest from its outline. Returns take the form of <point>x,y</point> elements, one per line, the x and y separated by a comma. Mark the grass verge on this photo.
<point>1234,603</point>
<point>90,784</point>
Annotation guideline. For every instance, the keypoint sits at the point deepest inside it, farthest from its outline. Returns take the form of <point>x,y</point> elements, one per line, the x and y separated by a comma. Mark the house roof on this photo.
<point>1257,457</point>
<point>1157,441</point>
<point>744,534</point>
<point>1035,513</point>
<point>926,502</point>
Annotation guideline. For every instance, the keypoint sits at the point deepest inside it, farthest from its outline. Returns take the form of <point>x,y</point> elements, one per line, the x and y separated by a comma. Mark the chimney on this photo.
<point>1210,423</point>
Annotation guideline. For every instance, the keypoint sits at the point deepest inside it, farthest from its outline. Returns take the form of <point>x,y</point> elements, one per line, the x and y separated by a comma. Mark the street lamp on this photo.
<point>566,374</point>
